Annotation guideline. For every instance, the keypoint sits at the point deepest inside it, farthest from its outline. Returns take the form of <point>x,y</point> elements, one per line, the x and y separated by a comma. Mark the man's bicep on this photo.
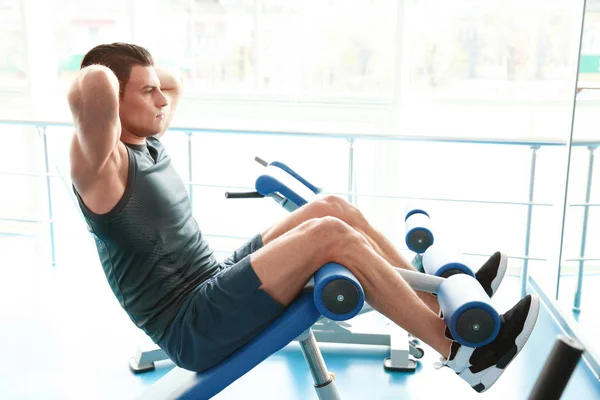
<point>93,100</point>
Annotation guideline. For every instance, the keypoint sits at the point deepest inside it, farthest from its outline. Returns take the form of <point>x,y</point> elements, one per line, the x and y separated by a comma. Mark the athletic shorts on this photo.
<point>222,314</point>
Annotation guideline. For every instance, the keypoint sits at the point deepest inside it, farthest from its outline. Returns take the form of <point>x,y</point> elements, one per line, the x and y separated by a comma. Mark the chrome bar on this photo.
<point>350,137</point>
<point>584,205</point>
<point>314,359</point>
<point>351,189</point>
<point>220,236</point>
<point>37,124</point>
<point>569,147</point>
<point>525,271</point>
<point>385,196</point>
<point>351,192</point>
<point>509,256</point>
<point>31,175</point>
<point>48,191</point>
<point>390,196</point>
<point>33,221</point>
<point>582,259</point>
<point>586,211</point>
<point>44,221</point>
<point>420,281</point>
<point>389,136</point>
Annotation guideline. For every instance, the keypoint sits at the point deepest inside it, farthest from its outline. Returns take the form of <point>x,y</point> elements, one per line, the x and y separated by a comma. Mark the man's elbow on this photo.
<point>99,80</point>
<point>93,87</point>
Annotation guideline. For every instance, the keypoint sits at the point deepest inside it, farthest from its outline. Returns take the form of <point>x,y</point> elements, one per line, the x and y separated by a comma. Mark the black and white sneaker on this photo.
<point>492,272</point>
<point>481,367</point>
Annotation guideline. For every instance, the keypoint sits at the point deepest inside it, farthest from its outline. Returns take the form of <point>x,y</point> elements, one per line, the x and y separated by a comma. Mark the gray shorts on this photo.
<point>221,315</point>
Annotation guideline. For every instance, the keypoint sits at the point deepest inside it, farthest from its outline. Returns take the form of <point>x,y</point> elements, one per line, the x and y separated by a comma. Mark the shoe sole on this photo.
<point>501,272</point>
<point>488,377</point>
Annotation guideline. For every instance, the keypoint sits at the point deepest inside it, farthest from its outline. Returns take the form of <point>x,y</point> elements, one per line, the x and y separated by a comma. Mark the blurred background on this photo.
<point>485,112</point>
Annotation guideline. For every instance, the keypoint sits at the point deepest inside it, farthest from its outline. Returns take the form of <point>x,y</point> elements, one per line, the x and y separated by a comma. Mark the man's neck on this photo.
<point>130,138</point>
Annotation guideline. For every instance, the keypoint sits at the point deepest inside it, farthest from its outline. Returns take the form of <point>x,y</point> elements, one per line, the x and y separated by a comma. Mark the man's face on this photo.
<point>141,108</point>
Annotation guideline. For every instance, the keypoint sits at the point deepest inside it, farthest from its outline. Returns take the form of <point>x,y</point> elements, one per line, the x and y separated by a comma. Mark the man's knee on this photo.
<point>334,233</point>
<point>338,207</point>
<point>335,204</point>
<point>336,241</point>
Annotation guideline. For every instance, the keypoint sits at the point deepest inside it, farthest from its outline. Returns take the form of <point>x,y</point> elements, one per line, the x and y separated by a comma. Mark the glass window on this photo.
<point>81,25</point>
<point>13,59</point>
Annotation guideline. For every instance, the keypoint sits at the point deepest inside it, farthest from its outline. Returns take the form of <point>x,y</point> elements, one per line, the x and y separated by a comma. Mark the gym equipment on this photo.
<point>466,307</point>
<point>462,305</point>
<point>558,369</point>
<point>287,188</point>
<point>333,290</point>
<point>473,321</point>
<point>182,384</point>
<point>326,295</point>
<point>444,262</point>
<point>290,190</point>
<point>418,230</point>
<point>432,258</point>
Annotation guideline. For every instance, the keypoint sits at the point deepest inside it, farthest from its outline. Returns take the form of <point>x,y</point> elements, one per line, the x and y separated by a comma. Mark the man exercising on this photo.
<point>164,273</point>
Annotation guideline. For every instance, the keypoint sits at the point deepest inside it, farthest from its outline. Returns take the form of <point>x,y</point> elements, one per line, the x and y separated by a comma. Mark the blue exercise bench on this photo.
<point>291,190</point>
<point>333,294</point>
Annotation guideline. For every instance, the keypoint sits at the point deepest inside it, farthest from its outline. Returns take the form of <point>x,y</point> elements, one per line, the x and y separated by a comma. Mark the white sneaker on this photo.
<point>481,367</point>
<point>492,272</point>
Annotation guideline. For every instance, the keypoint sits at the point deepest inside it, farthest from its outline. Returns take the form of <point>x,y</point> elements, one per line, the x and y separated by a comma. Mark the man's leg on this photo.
<point>489,275</point>
<point>339,208</point>
<point>284,265</point>
<point>286,262</point>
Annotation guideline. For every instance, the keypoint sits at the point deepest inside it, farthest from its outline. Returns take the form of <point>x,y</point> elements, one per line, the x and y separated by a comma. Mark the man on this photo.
<point>164,273</point>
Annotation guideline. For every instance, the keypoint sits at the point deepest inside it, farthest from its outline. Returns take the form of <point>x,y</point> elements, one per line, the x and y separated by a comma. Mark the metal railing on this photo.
<point>351,193</point>
<point>586,209</point>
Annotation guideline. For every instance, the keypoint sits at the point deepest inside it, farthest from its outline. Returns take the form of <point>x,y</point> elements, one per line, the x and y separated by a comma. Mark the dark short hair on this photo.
<point>120,58</point>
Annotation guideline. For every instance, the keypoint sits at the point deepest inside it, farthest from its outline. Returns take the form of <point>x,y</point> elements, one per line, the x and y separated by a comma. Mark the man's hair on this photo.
<point>120,58</point>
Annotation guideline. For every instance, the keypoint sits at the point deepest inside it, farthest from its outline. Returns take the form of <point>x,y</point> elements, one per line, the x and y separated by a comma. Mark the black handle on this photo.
<point>243,195</point>
<point>558,369</point>
<point>261,161</point>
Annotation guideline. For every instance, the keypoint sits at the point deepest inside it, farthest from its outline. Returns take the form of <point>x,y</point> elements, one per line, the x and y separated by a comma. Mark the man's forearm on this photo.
<point>170,79</point>
<point>171,84</point>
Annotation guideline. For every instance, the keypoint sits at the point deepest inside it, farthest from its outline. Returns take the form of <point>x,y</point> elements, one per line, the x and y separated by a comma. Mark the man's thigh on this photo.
<point>285,264</point>
<point>323,206</point>
<point>224,313</point>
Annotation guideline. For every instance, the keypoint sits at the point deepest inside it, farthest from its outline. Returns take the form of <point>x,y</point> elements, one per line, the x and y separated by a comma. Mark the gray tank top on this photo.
<point>150,246</point>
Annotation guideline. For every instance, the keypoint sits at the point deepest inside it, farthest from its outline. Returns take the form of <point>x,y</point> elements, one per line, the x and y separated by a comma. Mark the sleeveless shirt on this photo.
<point>150,246</point>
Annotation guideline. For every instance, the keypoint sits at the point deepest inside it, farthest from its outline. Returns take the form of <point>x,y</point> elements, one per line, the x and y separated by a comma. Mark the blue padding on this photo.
<point>460,293</point>
<point>329,273</point>
<point>284,167</point>
<point>415,211</point>
<point>267,185</point>
<point>409,243</point>
<point>462,267</point>
<point>452,323</point>
<point>183,384</point>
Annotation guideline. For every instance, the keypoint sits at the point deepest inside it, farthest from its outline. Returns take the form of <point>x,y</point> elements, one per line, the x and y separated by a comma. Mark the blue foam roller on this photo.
<point>337,295</point>
<point>419,236</point>
<point>443,261</point>
<point>468,311</point>
<point>414,209</point>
